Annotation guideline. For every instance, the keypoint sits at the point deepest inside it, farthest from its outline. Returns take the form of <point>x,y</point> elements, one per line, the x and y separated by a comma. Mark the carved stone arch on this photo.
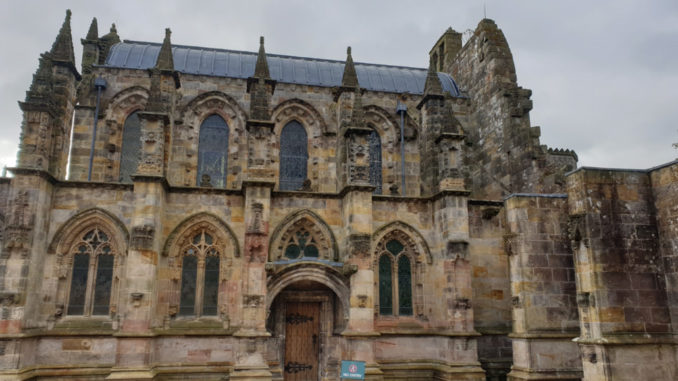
<point>81,221</point>
<point>211,223</point>
<point>310,271</point>
<point>186,137</point>
<point>124,103</point>
<point>384,123</point>
<point>74,233</point>
<point>303,221</point>
<point>301,111</point>
<point>214,102</point>
<point>408,235</point>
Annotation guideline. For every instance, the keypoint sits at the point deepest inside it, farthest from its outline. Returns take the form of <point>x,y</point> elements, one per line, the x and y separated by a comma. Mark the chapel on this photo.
<point>196,213</point>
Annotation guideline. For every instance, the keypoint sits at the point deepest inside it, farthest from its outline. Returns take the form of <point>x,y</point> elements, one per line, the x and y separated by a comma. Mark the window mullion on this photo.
<point>89,291</point>
<point>395,288</point>
<point>200,285</point>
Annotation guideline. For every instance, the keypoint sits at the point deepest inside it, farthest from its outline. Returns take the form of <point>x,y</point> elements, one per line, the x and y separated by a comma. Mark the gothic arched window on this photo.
<point>375,161</point>
<point>213,152</point>
<point>301,244</point>
<point>395,281</point>
<point>293,156</point>
<point>91,275</point>
<point>199,277</point>
<point>131,147</point>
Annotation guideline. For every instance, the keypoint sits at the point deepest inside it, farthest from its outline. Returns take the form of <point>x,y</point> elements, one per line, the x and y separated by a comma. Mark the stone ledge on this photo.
<point>630,339</point>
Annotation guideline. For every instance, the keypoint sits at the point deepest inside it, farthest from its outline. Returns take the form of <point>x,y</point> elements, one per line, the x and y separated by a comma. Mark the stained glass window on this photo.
<point>76,301</point>
<point>102,287</point>
<point>189,274</point>
<point>375,161</point>
<point>199,294</point>
<point>385,286</point>
<point>211,289</point>
<point>293,156</point>
<point>131,147</point>
<point>404,286</point>
<point>93,259</point>
<point>213,152</point>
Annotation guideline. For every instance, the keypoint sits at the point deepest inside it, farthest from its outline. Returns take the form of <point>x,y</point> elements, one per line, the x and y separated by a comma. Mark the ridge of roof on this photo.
<point>274,55</point>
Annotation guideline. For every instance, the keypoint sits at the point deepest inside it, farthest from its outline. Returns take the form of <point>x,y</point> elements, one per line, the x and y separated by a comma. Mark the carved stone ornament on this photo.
<point>253,301</point>
<point>142,237</point>
<point>359,245</point>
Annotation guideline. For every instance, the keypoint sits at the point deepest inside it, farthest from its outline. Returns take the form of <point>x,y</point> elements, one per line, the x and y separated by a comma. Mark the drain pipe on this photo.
<point>99,84</point>
<point>402,109</point>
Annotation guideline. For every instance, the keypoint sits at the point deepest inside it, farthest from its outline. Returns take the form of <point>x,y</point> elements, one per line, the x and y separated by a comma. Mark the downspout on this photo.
<point>402,109</point>
<point>99,84</point>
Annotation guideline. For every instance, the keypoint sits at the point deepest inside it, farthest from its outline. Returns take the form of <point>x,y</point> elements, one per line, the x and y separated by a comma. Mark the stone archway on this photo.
<point>307,305</point>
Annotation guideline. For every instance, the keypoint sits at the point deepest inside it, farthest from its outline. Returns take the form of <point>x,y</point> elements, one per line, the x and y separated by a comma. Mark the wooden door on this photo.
<point>302,341</point>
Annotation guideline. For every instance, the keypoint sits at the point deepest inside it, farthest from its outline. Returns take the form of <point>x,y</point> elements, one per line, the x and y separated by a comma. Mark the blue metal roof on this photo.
<point>287,69</point>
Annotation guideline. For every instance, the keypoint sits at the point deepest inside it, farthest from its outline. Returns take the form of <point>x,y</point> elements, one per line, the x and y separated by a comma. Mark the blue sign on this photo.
<point>353,370</point>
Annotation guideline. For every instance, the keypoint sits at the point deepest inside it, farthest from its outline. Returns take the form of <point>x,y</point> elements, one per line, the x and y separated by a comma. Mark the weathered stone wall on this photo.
<point>664,182</point>
<point>543,288</point>
<point>621,285</point>
<point>504,154</point>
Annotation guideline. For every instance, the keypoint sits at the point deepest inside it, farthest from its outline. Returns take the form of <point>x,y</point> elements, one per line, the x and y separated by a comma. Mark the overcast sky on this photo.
<point>603,74</point>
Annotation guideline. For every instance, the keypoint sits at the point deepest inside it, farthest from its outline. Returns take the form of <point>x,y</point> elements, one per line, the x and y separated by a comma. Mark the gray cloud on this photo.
<point>604,74</point>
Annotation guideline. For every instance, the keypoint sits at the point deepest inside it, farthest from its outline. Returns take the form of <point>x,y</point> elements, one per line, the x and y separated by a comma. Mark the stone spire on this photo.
<point>432,86</point>
<point>62,49</point>
<point>350,78</point>
<point>41,87</point>
<point>260,86</point>
<point>261,68</point>
<point>93,32</point>
<point>165,60</point>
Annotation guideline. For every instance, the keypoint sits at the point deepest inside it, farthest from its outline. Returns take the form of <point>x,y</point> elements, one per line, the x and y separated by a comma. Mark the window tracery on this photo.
<point>200,276</point>
<point>395,279</point>
<point>302,235</point>
<point>91,284</point>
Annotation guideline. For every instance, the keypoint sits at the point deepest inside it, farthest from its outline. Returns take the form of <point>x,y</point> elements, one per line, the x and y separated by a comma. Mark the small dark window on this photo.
<point>102,288</point>
<point>213,152</point>
<point>189,274</point>
<point>131,147</point>
<point>404,286</point>
<point>293,156</point>
<point>76,301</point>
<point>375,161</point>
<point>385,286</point>
<point>211,289</point>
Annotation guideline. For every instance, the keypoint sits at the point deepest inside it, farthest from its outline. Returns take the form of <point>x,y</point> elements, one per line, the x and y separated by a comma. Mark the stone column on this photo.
<point>543,289</point>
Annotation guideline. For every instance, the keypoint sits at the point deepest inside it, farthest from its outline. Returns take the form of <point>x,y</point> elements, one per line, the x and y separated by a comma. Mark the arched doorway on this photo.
<point>307,312</point>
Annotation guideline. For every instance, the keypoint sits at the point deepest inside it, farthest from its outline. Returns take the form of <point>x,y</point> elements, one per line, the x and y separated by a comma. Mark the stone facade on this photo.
<point>456,247</point>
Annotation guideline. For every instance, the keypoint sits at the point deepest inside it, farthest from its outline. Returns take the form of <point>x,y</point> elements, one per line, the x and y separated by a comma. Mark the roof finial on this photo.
<point>350,78</point>
<point>165,60</point>
<point>62,49</point>
<point>93,32</point>
<point>261,68</point>
<point>113,29</point>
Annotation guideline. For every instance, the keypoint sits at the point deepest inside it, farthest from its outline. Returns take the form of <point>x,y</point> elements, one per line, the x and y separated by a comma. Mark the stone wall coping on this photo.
<point>631,338</point>
<point>636,170</point>
<point>427,332</point>
<point>541,195</point>
<point>546,335</point>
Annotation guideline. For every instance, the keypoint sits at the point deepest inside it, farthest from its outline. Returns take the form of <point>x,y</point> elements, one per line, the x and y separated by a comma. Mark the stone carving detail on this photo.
<point>462,304</point>
<point>359,245</point>
<point>585,300</point>
<point>253,301</point>
<point>575,225</point>
<point>305,231</point>
<point>256,225</point>
<point>17,233</point>
<point>142,237</point>
<point>457,250</point>
<point>509,243</point>
<point>358,159</point>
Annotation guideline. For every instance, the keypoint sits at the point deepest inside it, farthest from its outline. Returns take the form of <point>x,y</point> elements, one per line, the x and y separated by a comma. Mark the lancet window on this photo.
<point>131,147</point>
<point>395,279</point>
<point>199,293</point>
<point>91,275</point>
<point>375,161</point>
<point>293,156</point>
<point>213,152</point>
